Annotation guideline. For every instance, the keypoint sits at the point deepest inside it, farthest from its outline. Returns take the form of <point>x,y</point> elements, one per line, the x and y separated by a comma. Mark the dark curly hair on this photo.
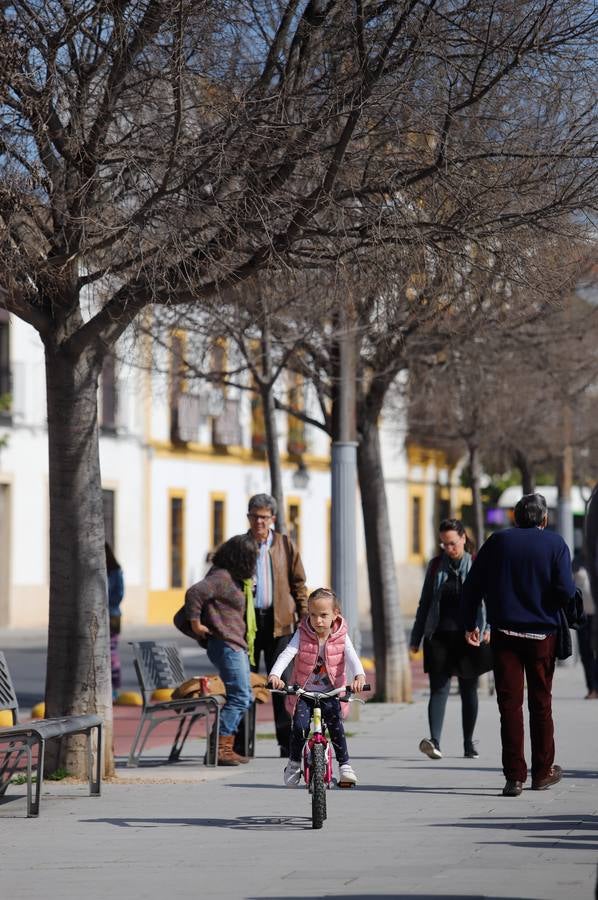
<point>238,555</point>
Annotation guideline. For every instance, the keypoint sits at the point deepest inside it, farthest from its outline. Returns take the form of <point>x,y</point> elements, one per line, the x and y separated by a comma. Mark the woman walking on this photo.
<point>116,591</point>
<point>446,653</point>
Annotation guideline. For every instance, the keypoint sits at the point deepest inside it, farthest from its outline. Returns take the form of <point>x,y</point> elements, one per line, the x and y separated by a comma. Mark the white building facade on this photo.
<point>178,467</point>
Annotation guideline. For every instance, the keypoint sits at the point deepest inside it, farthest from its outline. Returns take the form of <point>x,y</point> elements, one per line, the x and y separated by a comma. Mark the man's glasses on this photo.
<point>255,518</point>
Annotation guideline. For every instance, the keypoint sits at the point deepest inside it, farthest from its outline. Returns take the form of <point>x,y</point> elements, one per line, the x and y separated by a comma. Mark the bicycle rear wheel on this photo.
<point>318,787</point>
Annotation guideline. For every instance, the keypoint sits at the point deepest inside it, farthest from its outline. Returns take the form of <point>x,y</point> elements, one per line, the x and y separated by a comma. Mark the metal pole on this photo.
<point>344,549</point>
<point>344,490</point>
<point>564,506</point>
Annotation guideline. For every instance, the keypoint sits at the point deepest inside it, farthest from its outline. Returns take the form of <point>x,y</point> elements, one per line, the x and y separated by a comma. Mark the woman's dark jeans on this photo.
<point>440,686</point>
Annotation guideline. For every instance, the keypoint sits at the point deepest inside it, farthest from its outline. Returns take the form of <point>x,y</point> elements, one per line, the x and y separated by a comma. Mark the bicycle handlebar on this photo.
<point>296,690</point>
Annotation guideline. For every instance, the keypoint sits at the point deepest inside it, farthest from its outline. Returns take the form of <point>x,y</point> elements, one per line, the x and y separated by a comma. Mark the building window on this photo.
<point>294,521</point>
<point>5,371</point>
<point>108,505</point>
<point>296,445</point>
<point>416,524</point>
<point>258,424</point>
<point>177,540</point>
<point>217,519</point>
<point>444,509</point>
<point>109,394</point>
<point>177,383</point>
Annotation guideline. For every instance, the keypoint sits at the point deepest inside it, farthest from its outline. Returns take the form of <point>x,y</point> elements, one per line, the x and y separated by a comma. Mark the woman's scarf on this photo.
<point>250,620</point>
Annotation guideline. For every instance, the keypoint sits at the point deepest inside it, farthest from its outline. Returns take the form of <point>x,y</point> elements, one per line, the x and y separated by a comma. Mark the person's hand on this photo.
<point>413,650</point>
<point>358,683</point>
<point>473,637</point>
<point>486,636</point>
<point>199,629</point>
<point>275,682</point>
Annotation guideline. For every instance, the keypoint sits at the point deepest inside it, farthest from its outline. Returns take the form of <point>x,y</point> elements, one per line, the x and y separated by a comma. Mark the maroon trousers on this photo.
<point>515,657</point>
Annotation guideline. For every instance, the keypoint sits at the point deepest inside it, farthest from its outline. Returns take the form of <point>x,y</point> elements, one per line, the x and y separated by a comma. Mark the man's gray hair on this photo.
<point>530,510</point>
<point>263,501</point>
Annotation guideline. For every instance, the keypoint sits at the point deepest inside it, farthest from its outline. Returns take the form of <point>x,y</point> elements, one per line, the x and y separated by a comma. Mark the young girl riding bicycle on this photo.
<point>321,649</point>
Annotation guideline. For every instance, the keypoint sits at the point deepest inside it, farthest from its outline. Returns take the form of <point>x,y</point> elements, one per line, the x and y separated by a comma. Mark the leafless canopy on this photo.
<point>162,150</point>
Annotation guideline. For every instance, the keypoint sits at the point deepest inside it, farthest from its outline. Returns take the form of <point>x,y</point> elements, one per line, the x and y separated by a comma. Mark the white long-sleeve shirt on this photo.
<point>352,662</point>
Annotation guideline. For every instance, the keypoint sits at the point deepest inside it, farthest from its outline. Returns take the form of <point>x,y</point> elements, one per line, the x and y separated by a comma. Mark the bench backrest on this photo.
<point>157,666</point>
<point>8,698</point>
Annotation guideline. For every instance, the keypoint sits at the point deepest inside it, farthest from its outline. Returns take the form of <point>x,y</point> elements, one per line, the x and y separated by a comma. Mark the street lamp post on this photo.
<point>344,490</point>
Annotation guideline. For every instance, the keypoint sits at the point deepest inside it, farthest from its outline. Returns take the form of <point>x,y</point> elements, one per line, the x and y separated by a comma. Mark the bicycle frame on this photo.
<point>317,736</point>
<point>317,772</point>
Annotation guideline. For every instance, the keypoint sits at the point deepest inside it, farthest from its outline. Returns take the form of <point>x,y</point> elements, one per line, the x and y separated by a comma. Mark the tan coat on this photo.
<point>288,577</point>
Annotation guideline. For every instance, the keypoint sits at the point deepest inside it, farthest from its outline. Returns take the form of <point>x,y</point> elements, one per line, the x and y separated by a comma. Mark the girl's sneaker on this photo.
<point>292,773</point>
<point>346,776</point>
<point>430,747</point>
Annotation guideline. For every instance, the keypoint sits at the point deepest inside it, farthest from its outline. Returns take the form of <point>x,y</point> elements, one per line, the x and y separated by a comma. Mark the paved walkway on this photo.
<point>414,828</point>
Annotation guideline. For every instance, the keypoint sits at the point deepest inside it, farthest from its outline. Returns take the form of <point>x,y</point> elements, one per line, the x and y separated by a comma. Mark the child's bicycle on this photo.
<point>317,755</point>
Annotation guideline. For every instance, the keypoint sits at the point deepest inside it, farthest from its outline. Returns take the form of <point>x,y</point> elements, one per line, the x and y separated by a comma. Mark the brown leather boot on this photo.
<point>238,756</point>
<point>226,754</point>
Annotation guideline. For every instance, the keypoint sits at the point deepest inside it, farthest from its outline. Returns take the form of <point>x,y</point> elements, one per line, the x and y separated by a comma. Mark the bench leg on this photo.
<point>33,804</point>
<point>250,717</point>
<point>212,747</point>
<point>12,755</point>
<point>95,781</point>
<point>133,759</point>
<point>179,741</point>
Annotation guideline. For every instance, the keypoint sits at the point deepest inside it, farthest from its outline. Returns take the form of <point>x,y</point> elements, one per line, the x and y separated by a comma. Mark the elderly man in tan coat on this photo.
<point>280,598</point>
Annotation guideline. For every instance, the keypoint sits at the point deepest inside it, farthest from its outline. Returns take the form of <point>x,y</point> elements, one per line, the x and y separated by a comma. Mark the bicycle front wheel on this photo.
<point>318,787</point>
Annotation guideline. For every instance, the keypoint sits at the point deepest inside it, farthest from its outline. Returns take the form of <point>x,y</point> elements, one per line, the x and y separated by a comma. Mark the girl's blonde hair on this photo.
<point>325,593</point>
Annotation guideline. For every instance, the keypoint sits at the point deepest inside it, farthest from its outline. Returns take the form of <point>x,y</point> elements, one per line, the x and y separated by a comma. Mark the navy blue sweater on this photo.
<point>524,575</point>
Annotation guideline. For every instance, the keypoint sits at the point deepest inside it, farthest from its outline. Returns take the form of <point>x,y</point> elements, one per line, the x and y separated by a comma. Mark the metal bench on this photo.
<point>18,739</point>
<point>160,666</point>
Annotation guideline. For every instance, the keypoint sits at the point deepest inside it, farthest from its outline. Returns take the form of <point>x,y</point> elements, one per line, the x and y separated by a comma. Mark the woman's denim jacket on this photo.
<point>428,610</point>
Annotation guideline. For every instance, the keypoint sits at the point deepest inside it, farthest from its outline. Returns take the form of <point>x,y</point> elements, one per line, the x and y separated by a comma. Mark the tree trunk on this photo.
<point>476,490</point>
<point>528,480</point>
<point>273,453</point>
<point>272,449</point>
<point>78,677</point>
<point>393,672</point>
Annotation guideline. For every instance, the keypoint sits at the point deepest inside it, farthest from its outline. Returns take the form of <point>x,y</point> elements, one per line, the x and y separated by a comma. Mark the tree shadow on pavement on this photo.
<point>385,789</point>
<point>541,831</point>
<point>242,823</point>
<point>459,896</point>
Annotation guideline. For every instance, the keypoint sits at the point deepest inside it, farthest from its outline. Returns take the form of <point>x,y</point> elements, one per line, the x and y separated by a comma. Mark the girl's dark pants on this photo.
<point>333,718</point>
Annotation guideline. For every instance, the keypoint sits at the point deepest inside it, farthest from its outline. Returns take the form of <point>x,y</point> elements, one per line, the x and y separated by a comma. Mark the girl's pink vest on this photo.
<point>307,656</point>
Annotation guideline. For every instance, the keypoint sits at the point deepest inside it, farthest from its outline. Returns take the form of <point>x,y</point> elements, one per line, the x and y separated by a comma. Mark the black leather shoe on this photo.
<point>553,777</point>
<point>512,788</point>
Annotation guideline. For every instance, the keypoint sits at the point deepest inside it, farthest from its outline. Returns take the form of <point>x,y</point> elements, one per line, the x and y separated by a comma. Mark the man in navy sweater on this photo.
<point>524,575</point>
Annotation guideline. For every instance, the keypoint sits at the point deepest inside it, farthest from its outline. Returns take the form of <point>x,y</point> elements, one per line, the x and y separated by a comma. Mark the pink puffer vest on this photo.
<point>307,656</point>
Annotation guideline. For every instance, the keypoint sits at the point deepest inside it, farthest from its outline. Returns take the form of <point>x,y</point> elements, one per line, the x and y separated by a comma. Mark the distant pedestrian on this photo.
<point>219,609</point>
<point>446,653</point>
<point>585,630</point>
<point>524,575</point>
<point>116,591</point>
<point>280,599</point>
